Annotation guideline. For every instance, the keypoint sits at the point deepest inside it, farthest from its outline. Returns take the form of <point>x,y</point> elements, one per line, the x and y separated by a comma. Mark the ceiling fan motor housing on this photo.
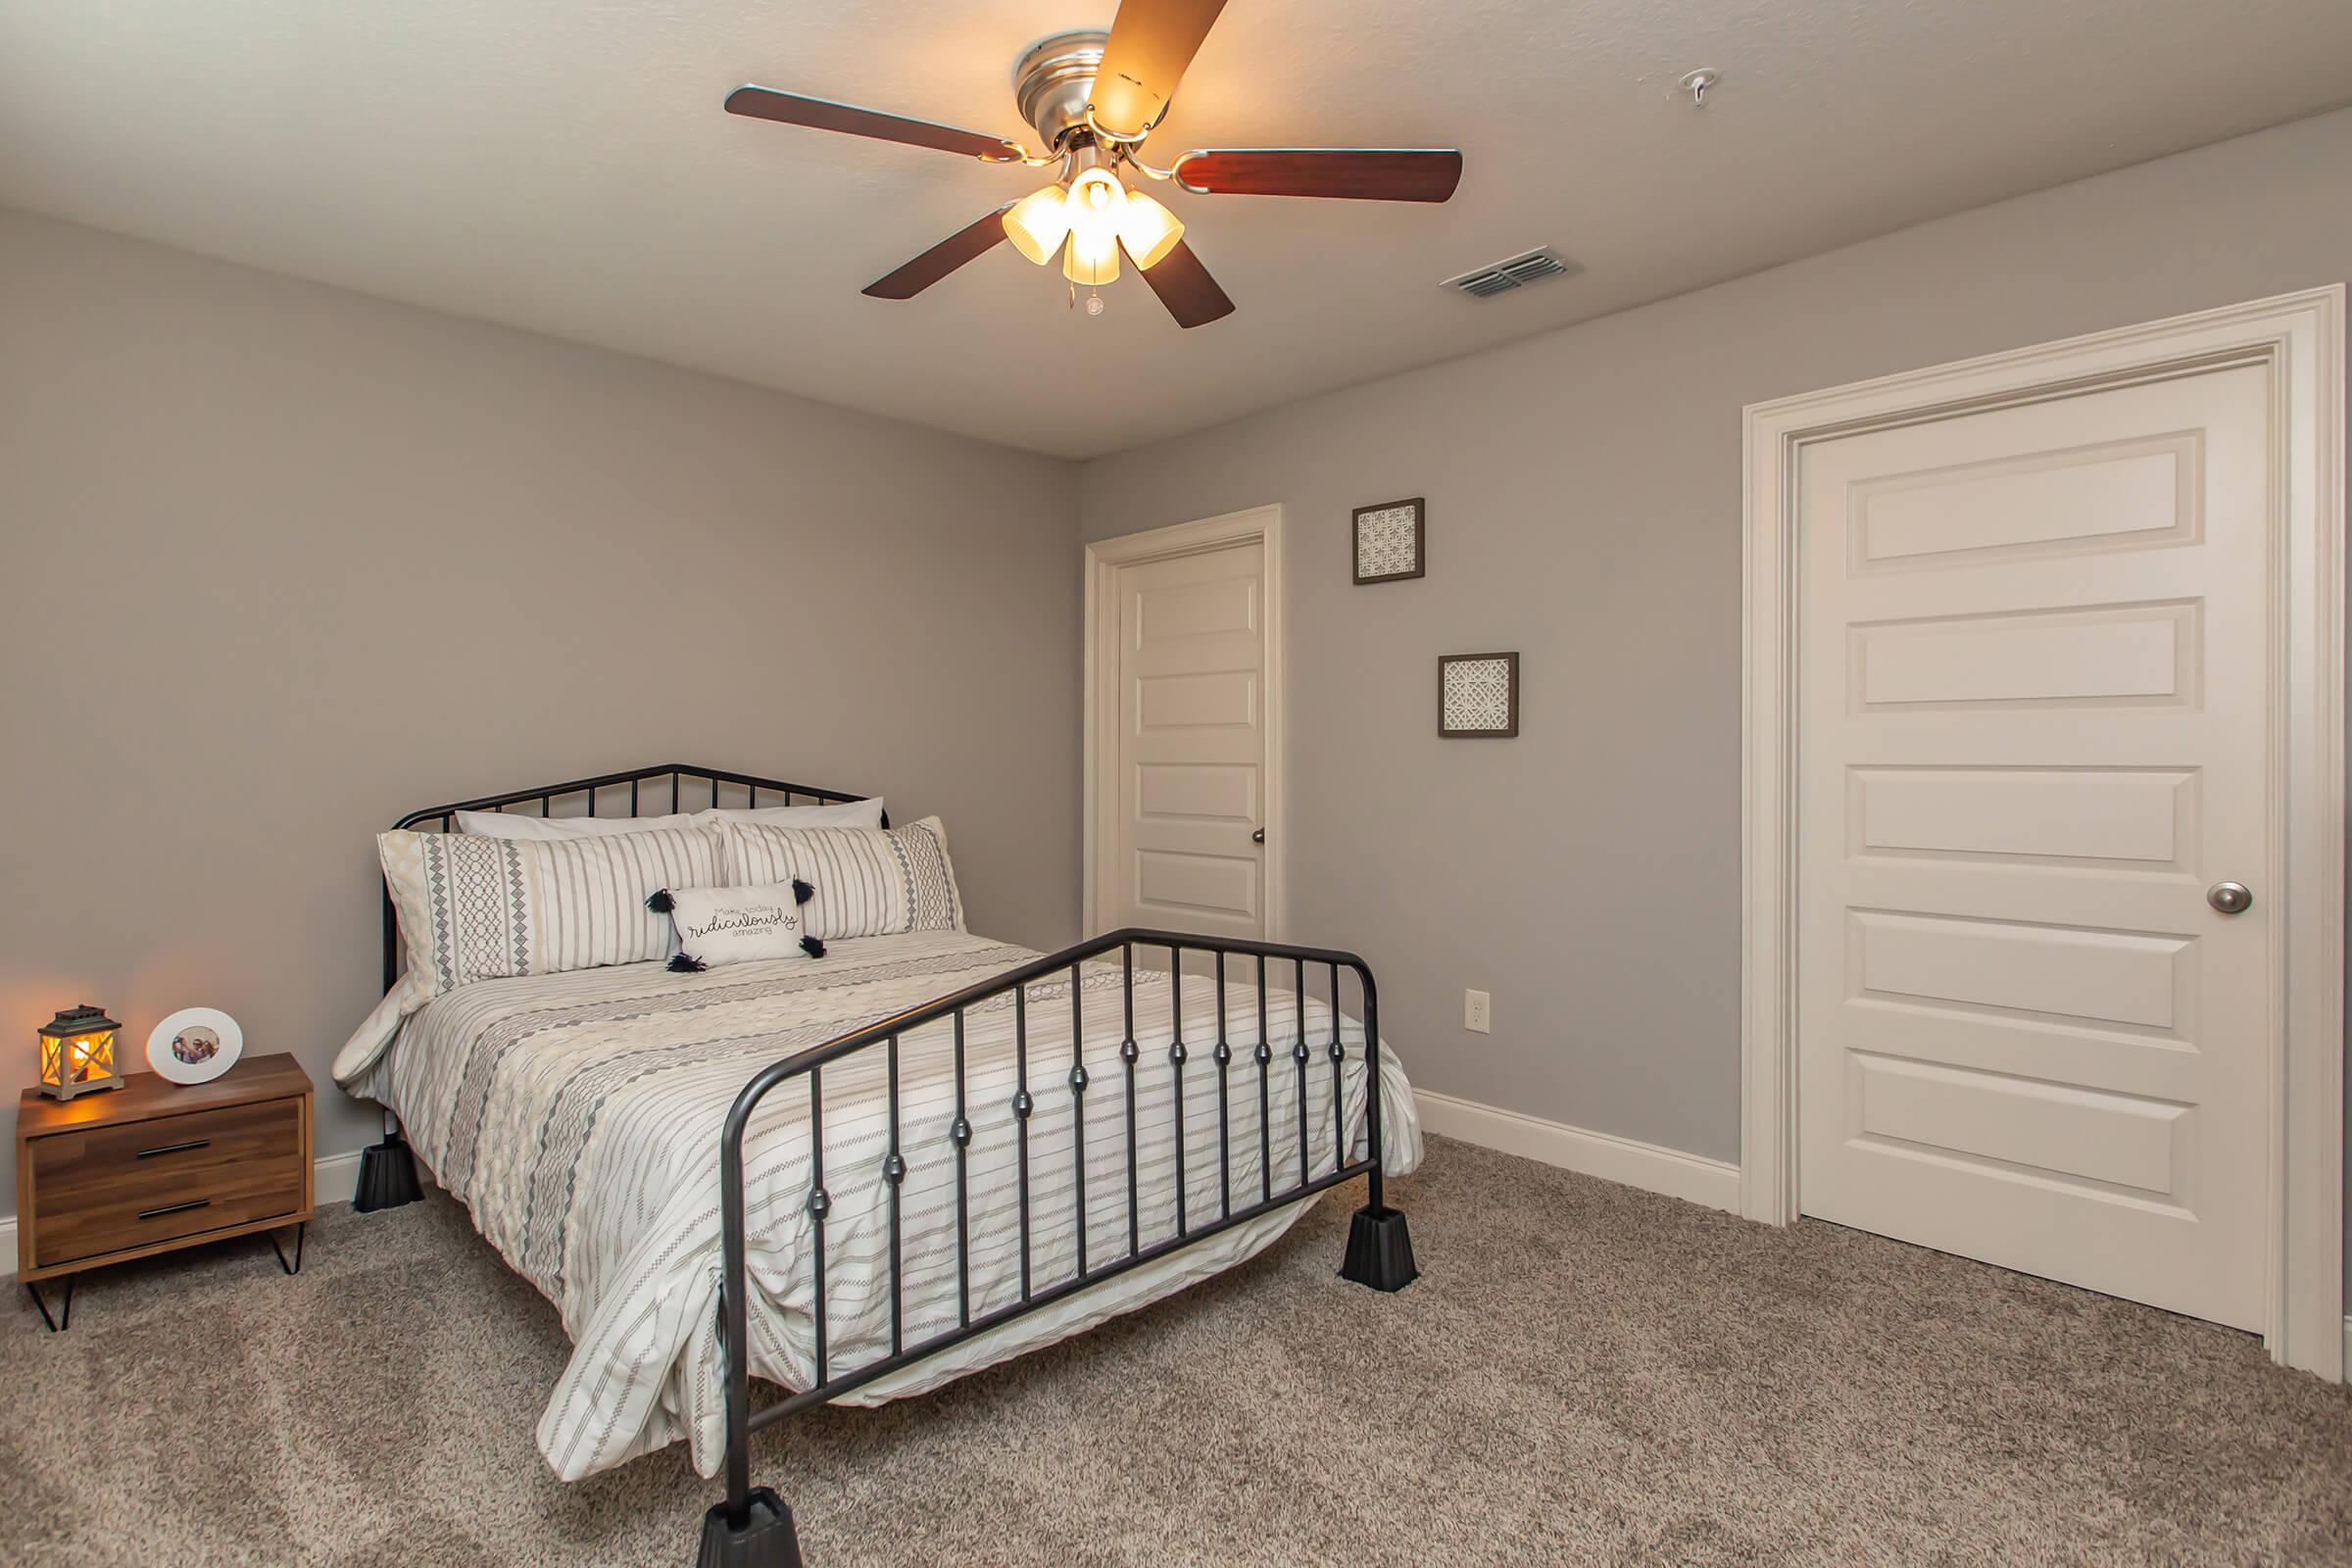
<point>1054,81</point>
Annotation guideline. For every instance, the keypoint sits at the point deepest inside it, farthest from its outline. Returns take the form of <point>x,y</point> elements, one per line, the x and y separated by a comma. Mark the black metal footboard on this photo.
<point>752,1528</point>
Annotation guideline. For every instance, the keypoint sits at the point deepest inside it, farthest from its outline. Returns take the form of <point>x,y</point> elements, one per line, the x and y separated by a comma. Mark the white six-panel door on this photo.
<point>2032,707</point>
<point>1189,749</point>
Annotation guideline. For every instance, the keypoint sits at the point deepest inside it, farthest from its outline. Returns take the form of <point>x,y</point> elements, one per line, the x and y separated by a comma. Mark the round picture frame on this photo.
<point>195,1045</point>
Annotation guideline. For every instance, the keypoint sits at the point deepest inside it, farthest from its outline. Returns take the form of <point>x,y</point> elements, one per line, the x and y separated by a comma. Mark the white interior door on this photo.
<point>2034,731</point>
<point>1184,848</point>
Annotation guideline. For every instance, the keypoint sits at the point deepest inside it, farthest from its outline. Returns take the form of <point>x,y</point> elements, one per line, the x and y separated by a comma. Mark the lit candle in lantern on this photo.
<point>77,1054</point>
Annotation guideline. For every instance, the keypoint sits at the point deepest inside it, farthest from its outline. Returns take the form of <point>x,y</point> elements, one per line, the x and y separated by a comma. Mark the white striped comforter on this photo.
<point>577,1118</point>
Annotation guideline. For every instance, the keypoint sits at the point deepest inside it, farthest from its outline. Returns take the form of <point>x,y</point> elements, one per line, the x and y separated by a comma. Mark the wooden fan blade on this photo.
<point>819,114</point>
<point>1185,287</point>
<point>1152,42</point>
<point>1360,174</point>
<point>966,244</point>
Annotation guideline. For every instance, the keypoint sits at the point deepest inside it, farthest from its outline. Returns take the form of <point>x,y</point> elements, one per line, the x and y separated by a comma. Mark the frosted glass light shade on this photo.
<point>1095,205</point>
<point>1038,222</point>
<point>1148,229</point>
<point>1092,259</point>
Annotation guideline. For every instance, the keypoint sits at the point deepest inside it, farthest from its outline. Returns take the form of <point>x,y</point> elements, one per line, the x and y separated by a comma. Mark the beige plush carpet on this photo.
<point>1585,1374</point>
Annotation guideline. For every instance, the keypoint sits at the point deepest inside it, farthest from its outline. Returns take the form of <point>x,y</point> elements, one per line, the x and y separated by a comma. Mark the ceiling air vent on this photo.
<point>1534,267</point>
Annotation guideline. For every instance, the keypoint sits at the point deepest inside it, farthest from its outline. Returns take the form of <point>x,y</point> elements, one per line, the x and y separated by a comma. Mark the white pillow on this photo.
<point>869,881</point>
<point>728,925</point>
<point>523,825</point>
<point>840,814</point>
<point>517,825</point>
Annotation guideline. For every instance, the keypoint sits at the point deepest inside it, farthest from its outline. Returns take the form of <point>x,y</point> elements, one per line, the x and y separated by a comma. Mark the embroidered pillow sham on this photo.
<point>473,908</point>
<point>728,925</point>
<point>869,882</point>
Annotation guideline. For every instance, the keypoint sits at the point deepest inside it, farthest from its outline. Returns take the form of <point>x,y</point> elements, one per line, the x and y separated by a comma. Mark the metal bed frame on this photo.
<point>752,1527</point>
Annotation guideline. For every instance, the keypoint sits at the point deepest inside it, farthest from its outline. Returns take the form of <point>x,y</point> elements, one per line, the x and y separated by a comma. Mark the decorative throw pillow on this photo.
<point>869,881</point>
<point>727,925</point>
<point>481,908</point>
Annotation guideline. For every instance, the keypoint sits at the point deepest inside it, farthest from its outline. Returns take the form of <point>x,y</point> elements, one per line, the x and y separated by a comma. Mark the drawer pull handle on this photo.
<point>174,1149</point>
<point>174,1209</point>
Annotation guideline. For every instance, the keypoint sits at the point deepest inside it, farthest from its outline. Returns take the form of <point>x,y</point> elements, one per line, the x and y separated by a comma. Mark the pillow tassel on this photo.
<point>682,963</point>
<point>659,902</point>
<point>801,891</point>
<point>811,946</point>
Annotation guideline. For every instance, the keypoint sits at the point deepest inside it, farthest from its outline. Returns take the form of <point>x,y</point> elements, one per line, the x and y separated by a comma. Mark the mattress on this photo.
<point>577,1118</point>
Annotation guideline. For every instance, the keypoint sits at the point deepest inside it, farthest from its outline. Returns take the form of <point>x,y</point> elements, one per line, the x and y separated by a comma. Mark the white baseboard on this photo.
<point>332,1178</point>
<point>1714,1182</point>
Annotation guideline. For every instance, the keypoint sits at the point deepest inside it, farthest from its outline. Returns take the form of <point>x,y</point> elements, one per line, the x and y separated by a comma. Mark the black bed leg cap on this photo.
<point>1380,1250</point>
<point>765,1540</point>
<point>387,1176</point>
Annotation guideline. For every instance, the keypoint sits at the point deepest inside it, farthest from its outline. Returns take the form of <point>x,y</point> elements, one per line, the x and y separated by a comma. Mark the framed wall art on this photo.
<point>1478,696</point>
<point>1391,541</point>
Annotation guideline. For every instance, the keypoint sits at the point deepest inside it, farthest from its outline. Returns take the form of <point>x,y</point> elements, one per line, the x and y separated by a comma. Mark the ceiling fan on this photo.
<point>1094,98</point>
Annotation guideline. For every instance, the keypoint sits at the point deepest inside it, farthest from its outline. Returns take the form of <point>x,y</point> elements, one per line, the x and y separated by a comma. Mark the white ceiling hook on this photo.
<point>1696,84</point>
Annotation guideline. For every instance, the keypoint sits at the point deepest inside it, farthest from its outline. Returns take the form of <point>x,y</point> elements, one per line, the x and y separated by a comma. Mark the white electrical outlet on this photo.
<point>1474,1006</point>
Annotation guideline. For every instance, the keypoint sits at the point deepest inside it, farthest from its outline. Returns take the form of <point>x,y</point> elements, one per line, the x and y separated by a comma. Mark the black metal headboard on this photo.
<point>713,782</point>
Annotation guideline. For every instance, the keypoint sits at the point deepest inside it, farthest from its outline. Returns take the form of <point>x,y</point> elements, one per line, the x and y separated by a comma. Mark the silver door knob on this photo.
<point>2230,898</point>
<point>1258,837</point>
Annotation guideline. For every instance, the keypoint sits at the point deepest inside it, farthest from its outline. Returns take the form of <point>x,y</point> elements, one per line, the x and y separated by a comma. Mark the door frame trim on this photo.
<point>1098,801</point>
<point>2301,338</point>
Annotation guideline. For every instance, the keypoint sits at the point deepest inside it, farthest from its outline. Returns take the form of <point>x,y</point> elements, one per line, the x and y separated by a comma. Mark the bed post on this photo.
<point>1380,1250</point>
<point>387,1169</point>
<point>752,1528</point>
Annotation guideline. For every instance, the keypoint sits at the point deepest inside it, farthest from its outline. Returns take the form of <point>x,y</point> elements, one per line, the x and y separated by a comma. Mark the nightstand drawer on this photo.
<point>111,1189</point>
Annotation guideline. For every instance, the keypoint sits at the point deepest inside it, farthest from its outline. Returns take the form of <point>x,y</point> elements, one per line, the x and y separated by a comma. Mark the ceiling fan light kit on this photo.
<point>1094,98</point>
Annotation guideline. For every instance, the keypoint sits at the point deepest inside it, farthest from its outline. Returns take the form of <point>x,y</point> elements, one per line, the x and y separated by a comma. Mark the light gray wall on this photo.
<point>1585,508</point>
<point>283,562</point>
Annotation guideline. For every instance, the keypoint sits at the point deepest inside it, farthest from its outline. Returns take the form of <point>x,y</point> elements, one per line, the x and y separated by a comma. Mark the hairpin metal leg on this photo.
<point>65,1317</point>
<point>294,1267</point>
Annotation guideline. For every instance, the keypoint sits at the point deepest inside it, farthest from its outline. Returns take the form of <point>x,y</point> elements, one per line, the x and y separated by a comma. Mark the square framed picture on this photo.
<point>1390,540</point>
<point>1478,696</point>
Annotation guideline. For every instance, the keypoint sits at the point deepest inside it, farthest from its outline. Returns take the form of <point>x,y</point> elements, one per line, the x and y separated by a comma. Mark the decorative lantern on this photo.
<point>77,1054</point>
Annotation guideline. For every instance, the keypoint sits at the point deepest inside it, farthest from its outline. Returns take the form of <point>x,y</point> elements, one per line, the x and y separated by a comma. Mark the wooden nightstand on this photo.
<point>155,1166</point>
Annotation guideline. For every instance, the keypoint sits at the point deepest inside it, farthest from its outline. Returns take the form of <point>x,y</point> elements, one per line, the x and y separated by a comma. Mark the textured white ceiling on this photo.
<point>564,165</point>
